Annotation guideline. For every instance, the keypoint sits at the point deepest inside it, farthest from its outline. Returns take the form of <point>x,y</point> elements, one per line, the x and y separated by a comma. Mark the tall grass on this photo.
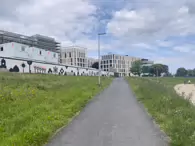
<point>175,115</point>
<point>33,107</point>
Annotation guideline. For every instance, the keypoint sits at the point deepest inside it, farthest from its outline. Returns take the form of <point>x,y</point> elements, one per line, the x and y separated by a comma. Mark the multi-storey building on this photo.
<point>117,63</point>
<point>38,41</point>
<point>39,54</point>
<point>74,55</point>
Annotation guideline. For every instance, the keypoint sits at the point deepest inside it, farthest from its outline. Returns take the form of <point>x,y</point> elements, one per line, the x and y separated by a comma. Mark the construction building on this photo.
<point>39,41</point>
<point>74,55</point>
<point>117,63</point>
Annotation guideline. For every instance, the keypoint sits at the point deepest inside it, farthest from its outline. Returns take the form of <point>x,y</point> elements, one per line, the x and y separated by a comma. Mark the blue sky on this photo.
<point>162,31</point>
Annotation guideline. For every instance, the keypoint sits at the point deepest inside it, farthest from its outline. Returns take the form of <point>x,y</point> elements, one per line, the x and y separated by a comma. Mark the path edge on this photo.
<point>76,115</point>
<point>163,135</point>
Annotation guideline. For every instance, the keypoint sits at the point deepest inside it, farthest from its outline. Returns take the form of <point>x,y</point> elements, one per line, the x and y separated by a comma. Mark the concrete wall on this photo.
<point>22,65</point>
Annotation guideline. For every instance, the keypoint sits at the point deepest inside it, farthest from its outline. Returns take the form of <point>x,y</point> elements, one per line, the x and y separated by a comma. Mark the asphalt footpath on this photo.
<point>113,118</point>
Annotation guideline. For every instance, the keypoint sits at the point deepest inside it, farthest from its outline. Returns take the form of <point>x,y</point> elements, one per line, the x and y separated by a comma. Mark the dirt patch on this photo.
<point>187,91</point>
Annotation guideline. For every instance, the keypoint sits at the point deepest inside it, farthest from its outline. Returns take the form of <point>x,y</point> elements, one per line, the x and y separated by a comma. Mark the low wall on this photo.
<point>29,66</point>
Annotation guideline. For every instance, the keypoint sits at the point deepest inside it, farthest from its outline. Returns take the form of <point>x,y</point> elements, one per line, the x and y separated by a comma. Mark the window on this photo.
<point>23,48</point>
<point>70,54</point>
<point>54,55</point>
<point>65,55</point>
<point>1,48</point>
<point>40,52</point>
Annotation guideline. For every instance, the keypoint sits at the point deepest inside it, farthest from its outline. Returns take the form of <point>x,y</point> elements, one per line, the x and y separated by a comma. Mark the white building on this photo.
<point>21,51</point>
<point>16,57</point>
<point>74,55</point>
<point>117,63</point>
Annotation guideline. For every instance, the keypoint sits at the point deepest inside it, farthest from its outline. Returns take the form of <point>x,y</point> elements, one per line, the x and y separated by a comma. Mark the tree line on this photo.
<point>182,72</point>
<point>138,68</point>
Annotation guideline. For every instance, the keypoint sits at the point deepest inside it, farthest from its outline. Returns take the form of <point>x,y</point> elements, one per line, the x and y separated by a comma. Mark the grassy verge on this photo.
<point>175,115</point>
<point>33,107</point>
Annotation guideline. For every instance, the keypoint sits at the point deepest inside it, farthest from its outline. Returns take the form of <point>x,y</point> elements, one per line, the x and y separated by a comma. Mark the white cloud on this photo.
<point>143,46</point>
<point>153,23</point>
<point>176,62</point>
<point>63,19</point>
<point>186,48</point>
<point>144,25</point>
<point>161,43</point>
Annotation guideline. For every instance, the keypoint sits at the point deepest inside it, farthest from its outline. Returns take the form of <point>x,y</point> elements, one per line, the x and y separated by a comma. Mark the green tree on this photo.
<point>95,65</point>
<point>136,67</point>
<point>158,69</point>
<point>145,69</point>
<point>181,72</point>
<point>190,72</point>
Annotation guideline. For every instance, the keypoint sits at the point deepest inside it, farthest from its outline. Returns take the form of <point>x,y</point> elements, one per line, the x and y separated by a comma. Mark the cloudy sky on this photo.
<point>163,31</point>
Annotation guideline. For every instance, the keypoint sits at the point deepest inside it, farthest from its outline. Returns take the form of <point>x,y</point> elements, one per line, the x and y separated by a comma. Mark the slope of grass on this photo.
<point>33,107</point>
<point>175,115</point>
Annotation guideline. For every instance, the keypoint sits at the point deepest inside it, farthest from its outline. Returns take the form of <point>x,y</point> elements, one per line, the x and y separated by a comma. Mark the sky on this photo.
<point>163,31</point>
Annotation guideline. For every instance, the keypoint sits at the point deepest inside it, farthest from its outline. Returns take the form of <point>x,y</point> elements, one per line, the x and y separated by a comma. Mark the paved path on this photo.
<point>114,118</point>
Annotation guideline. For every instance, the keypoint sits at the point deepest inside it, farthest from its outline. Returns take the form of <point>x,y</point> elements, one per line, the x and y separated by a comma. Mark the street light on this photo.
<point>99,34</point>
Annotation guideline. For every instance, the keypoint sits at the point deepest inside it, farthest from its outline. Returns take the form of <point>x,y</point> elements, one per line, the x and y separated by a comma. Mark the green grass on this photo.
<point>33,107</point>
<point>175,115</point>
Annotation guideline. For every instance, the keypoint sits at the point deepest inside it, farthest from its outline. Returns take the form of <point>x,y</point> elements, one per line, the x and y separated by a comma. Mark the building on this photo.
<point>16,57</point>
<point>117,63</point>
<point>91,61</point>
<point>22,51</point>
<point>40,54</point>
<point>75,56</point>
<point>39,41</point>
<point>146,62</point>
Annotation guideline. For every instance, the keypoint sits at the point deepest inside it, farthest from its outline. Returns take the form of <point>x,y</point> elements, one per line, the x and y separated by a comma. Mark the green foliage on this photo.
<point>158,69</point>
<point>146,69</point>
<point>95,65</point>
<point>174,114</point>
<point>33,107</point>
<point>136,67</point>
<point>139,68</point>
<point>181,72</point>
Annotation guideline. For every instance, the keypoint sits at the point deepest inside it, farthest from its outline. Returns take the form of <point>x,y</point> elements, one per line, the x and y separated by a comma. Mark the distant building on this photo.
<point>41,54</point>
<point>21,51</point>
<point>147,62</point>
<point>74,55</point>
<point>39,41</point>
<point>91,61</point>
<point>117,63</point>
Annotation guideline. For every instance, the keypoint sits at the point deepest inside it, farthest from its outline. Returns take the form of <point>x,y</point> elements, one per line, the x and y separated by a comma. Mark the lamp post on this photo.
<point>99,34</point>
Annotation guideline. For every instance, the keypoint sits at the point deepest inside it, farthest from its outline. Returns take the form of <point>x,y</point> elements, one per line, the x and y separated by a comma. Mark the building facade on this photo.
<point>117,63</point>
<point>41,54</point>
<point>15,57</point>
<point>75,56</point>
<point>39,41</point>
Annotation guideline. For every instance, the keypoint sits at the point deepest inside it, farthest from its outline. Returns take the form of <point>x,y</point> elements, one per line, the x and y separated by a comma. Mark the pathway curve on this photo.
<point>114,118</point>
